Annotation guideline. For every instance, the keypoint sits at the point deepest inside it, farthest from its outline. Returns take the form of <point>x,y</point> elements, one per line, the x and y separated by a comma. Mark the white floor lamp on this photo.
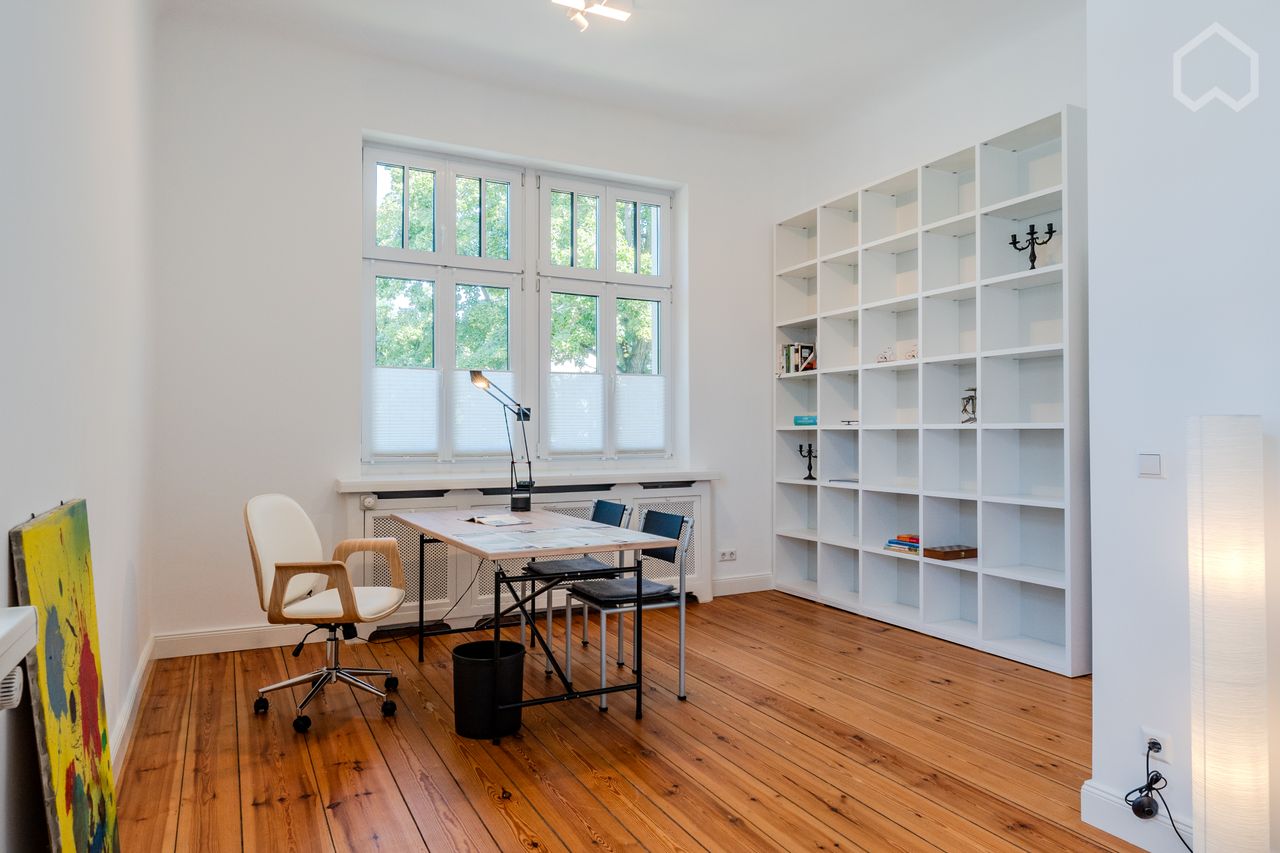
<point>1227,569</point>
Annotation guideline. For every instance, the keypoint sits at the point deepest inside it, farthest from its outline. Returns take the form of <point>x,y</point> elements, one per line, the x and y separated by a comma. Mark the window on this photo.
<point>445,257</point>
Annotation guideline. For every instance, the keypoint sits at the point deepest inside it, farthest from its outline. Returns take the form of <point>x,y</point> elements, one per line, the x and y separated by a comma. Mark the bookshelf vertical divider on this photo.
<point>913,297</point>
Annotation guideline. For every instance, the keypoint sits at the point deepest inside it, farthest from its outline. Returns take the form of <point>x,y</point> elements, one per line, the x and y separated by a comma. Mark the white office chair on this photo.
<point>297,586</point>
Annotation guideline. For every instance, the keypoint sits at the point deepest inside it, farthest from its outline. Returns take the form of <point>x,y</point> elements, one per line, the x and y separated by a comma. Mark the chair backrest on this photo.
<point>670,526</point>
<point>280,531</point>
<point>609,512</point>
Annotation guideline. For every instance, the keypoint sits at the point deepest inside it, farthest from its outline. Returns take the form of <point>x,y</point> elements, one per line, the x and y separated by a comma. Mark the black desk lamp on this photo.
<point>521,490</point>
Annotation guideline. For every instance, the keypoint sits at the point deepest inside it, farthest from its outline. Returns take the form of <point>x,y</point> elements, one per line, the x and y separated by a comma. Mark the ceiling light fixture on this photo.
<point>616,11</point>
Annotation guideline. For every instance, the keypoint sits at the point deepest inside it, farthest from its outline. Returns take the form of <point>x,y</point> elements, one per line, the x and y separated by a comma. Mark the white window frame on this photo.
<point>547,183</point>
<point>663,202</point>
<point>445,207</point>
<point>607,361</point>
<point>445,281</point>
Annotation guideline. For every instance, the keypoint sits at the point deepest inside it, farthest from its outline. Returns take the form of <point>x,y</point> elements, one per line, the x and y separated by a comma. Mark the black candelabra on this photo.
<point>1032,241</point>
<point>810,455</point>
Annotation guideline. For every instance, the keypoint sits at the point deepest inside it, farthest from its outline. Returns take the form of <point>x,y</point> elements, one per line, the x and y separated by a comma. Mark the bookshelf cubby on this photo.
<point>838,225</point>
<point>948,187</point>
<point>951,462</point>
<point>891,586</point>
<point>950,254</point>
<point>951,600</point>
<point>917,269</point>
<point>839,579</point>
<point>890,207</point>
<point>890,269</point>
<point>838,450</point>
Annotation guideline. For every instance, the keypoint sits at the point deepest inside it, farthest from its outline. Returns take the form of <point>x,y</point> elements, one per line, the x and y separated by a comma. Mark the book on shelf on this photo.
<point>804,420</point>
<point>913,538</point>
<point>900,549</point>
<point>797,358</point>
<point>842,480</point>
<point>914,546</point>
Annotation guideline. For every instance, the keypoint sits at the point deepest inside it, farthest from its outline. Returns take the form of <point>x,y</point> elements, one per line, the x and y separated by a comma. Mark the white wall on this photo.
<point>1182,322</point>
<point>937,104</point>
<point>74,303</point>
<point>258,271</point>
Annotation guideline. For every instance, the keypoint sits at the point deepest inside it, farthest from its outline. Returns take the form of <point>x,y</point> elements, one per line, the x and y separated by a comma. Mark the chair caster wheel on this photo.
<point>301,723</point>
<point>260,705</point>
<point>388,708</point>
<point>391,684</point>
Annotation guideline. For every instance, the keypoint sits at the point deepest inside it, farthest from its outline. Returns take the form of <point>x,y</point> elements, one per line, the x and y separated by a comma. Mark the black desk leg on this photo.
<point>497,644</point>
<point>639,641</point>
<point>422,613</point>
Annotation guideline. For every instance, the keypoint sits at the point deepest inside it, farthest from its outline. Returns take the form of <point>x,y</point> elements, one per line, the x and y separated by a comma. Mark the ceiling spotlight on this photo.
<point>615,9</point>
<point>604,11</point>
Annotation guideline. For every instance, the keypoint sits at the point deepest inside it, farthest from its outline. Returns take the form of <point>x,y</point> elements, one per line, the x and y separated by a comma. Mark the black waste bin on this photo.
<point>473,713</point>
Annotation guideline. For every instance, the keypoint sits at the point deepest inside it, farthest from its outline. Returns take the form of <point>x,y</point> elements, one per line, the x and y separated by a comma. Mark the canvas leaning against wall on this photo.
<point>54,574</point>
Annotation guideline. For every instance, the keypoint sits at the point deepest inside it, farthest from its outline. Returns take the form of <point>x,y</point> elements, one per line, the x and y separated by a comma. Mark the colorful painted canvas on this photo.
<point>55,574</point>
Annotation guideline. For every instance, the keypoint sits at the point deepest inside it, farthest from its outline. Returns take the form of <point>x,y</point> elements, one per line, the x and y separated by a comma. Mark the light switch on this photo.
<point>1150,465</point>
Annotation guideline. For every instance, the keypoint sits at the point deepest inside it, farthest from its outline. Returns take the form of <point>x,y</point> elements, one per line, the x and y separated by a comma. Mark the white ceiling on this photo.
<point>744,65</point>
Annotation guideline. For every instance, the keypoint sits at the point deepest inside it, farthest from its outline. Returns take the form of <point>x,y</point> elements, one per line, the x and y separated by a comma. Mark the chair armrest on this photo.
<point>339,579</point>
<point>387,546</point>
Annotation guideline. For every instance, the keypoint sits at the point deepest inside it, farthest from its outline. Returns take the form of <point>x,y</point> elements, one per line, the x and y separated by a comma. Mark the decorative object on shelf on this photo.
<point>885,355</point>
<point>810,455</point>
<point>1032,241</point>
<point>850,422</point>
<point>521,490</point>
<point>952,552</point>
<point>804,420</point>
<point>969,406</point>
<point>1226,563</point>
<point>914,352</point>
<point>54,573</point>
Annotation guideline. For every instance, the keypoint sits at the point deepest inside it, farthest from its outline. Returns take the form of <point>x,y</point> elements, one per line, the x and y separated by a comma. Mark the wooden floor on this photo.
<point>806,728</point>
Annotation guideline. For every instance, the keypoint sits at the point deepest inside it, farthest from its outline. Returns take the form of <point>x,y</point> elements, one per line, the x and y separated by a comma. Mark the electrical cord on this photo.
<point>1155,784</point>
<point>447,612</point>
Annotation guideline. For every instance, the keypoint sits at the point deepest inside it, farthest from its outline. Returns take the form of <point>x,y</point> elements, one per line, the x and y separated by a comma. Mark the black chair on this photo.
<point>618,595</point>
<point>602,512</point>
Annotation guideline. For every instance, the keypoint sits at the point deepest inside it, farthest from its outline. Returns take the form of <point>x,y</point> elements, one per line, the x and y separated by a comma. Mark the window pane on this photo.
<point>389,196</point>
<point>641,406</point>
<point>647,237</point>
<point>422,210</point>
<point>477,417</point>
<point>638,336</point>
<point>405,403</point>
<point>561,228</point>
<point>575,412</point>
<point>626,239</point>
<point>574,333</point>
<point>481,327</point>
<point>468,207</point>
<point>404,323</point>
<point>497,219</point>
<point>586,214</point>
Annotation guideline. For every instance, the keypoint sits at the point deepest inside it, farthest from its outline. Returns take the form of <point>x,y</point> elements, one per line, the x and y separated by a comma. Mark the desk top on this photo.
<point>547,534</point>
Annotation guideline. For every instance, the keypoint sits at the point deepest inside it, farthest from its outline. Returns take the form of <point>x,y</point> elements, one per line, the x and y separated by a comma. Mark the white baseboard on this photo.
<point>1104,808</point>
<point>121,732</point>
<point>235,639</point>
<point>740,585</point>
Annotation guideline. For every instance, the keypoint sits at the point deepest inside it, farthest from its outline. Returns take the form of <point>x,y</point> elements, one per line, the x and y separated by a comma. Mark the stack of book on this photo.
<point>797,358</point>
<point>904,543</point>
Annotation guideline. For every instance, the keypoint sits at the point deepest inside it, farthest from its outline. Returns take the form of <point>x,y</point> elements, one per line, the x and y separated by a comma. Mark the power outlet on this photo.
<point>728,555</point>
<point>1165,755</point>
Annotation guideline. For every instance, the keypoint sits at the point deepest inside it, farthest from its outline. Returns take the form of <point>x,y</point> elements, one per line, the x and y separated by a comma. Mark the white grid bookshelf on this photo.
<point>911,294</point>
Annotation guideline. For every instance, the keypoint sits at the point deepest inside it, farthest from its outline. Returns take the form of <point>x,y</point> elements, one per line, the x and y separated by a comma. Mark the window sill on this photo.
<point>454,480</point>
